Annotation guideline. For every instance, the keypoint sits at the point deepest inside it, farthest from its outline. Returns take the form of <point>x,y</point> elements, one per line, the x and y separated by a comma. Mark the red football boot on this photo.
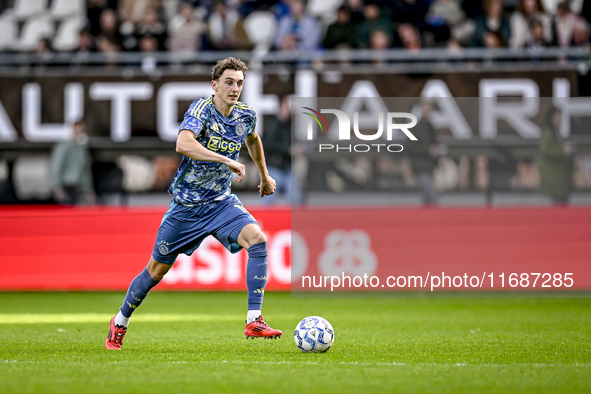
<point>259,328</point>
<point>115,336</point>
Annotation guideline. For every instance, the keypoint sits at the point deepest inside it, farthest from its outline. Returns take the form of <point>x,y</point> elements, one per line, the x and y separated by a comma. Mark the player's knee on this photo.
<point>251,235</point>
<point>256,238</point>
<point>157,270</point>
<point>259,237</point>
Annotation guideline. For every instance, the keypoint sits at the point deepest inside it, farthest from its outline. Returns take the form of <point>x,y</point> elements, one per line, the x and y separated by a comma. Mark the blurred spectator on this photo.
<point>109,26</point>
<point>94,9</point>
<point>555,165</point>
<point>493,39</point>
<point>564,24</point>
<point>410,37</point>
<point>481,173</point>
<point>86,43</point>
<point>447,10</point>
<point>379,40</point>
<point>134,10</point>
<point>374,20</point>
<point>472,8</point>
<point>423,154</point>
<point>491,21</point>
<point>280,8</point>
<point>165,168</point>
<point>71,171</point>
<point>582,172</point>
<point>410,11</point>
<point>108,48</point>
<point>453,46</point>
<point>44,53</point>
<point>442,17</point>
<point>148,46</point>
<point>521,24</point>
<point>185,32</point>
<point>226,30</point>
<point>581,34</point>
<point>151,26</point>
<point>356,7</point>
<point>527,176</point>
<point>464,168</point>
<point>278,155</point>
<point>141,174</point>
<point>340,34</point>
<point>298,30</point>
<point>447,175</point>
<point>43,47</point>
<point>537,36</point>
<point>277,7</point>
<point>106,45</point>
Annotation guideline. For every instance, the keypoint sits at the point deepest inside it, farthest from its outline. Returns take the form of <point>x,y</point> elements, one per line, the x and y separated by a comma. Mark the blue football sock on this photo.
<point>137,292</point>
<point>256,274</point>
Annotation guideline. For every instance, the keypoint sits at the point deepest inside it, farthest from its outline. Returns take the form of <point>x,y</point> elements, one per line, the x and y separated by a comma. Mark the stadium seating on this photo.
<point>9,29</point>
<point>65,8</point>
<point>31,177</point>
<point>34,30</point>
<point>67,36</point>
<point>326,10</point>
<point>260,27</point>
<point>24,9</point>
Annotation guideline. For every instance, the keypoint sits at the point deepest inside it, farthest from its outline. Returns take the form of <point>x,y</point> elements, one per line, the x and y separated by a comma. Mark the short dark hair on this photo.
<point>564,6</point>
<point>539,4</point>
<point>229,63</point>
<point>535,22</point>
<point>345,8</point>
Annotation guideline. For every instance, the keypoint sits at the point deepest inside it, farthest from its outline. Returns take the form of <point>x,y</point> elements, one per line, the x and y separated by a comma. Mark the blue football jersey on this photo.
<point>203,181</point>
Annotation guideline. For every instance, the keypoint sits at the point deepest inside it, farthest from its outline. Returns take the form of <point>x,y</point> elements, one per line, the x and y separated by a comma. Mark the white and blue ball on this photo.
<point>314,334</point>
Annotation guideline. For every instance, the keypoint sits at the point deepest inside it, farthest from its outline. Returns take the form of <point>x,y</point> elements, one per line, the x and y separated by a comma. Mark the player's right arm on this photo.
<point>187,145</point>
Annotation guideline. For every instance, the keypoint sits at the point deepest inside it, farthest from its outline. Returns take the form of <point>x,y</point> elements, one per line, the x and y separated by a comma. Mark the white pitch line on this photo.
<point>70,318</point>
<point>297,362</point>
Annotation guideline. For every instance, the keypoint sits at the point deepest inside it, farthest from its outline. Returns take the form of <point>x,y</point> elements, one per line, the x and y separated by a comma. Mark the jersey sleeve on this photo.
<point>195,118</point>
<point>253,124</point>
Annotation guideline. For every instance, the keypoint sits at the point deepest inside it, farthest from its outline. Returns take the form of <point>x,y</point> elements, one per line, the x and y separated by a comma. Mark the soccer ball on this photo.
<point>314,334</point>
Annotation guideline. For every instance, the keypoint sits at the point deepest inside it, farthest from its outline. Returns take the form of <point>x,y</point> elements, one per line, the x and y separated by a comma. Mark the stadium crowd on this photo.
<point>287,25</point>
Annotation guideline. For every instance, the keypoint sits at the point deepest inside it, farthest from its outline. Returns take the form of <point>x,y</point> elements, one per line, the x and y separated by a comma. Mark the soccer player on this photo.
<point>210,137</point>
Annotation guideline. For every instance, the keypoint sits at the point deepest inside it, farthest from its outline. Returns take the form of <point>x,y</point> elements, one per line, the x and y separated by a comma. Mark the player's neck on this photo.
<point>224,109</point>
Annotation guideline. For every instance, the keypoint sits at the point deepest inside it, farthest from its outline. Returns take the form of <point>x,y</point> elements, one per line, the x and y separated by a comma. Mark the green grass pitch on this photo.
<point>193,343</point>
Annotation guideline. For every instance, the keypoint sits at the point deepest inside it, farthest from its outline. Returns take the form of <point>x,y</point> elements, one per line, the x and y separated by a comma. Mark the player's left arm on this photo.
<point>255,149</point>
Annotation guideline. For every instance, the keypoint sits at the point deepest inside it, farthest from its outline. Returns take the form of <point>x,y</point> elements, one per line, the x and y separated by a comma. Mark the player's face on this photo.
<point>229,86</point>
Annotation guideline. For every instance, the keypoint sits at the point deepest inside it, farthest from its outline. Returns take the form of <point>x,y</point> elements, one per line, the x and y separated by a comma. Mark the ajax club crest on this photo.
<point>163,247</point>
<point>240,129</point>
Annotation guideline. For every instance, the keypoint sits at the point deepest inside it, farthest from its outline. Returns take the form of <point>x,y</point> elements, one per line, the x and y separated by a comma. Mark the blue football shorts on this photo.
<point>183,228</point>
